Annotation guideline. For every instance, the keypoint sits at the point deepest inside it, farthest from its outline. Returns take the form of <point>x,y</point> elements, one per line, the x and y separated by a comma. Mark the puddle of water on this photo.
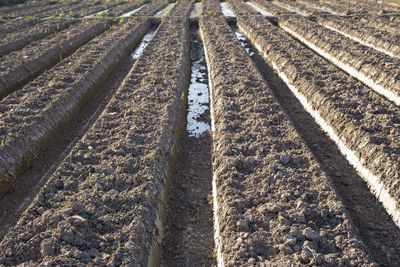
<point>128,14</point>
<point>226,11</point>
<point>165,11</point>
<point>259,10</point>
<point>95,14</point>
<point>244,43</point>
<point>143,43</point>
<point>198,92</point>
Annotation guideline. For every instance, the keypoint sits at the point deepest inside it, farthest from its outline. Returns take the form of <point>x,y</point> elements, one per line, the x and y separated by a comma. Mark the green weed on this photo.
<point>92,132</point>
<point>291,55</point>
<point>182,96</point>
<point>3,141</point>
<point>28,163</point>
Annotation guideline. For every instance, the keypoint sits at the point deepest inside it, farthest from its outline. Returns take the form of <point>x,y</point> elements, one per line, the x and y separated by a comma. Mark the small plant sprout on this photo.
<point>3,141</point>
<point>310,161</point>
<point>61,57</point>
<point>121,20</point>
<point>182,96</point>
<point>45,30</point>
<point>92,131</point>
<point>151,154</point>
<point>70,157</point>
<point>28,163</point>
<point>291,55</point>
<point>119,243</point>
<point>58,27</point>
<point>70,12</point>
<point>172,148</point>
<point>70,43</point>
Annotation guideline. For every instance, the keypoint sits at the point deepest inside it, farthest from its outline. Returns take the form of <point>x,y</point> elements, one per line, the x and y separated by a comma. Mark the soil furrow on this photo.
<point>45,163</point>
<point>189,232</point>
<point>374,226</point>
<point>22,66</point>
<point>271,7</point>
<point>41,107</point>
<point>103,205</point>
<point>19,39</point>
<point>376,69</point>
<point>275,205</point>
<point>356,127</point>
<point>380,40</point>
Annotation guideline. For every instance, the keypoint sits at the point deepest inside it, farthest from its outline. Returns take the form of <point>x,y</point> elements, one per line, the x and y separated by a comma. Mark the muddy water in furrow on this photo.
<point>44,164</point>
<point>188,238</point>
<point>374,226</point>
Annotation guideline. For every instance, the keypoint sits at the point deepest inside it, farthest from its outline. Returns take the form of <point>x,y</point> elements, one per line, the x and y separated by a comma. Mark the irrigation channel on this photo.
<point>373,224</point>
<point>188,239</point>
<point>46,162</point>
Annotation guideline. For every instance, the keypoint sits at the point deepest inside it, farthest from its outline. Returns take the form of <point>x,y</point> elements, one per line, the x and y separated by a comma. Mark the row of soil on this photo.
<point>19,66</point>
<point>210,8</point>
<point>100,207</point>
<point>72,9</point>
<point>15,25</point>
<point>378,70</point>
<point>30,115</point>
<point>18,39</point>
<point>273,203</point>
<point>376,7</point>
<point>151,8</point>
<point>379,39</point>
<point>346,8</point>
<point>240,8</point>
<point>364,125</point>
<point>297,7</point>
<point>388,23</point>
<point>271,7</point>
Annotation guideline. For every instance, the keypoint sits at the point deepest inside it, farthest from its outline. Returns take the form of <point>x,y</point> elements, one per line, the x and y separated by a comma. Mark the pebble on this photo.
<point>306,255</point>
<point>299,218</point>
<point>40,210</point>
<point>243,225</point>
<point>302,205</point>
<point>79,166</point>
<point>285,249</point>
<point>290,240</point>
<point>48,247</point>
<point>284,221</point>
<point>109,170</point>
<point>311,235</point>
<point>284,159</point>
<point>77,221</point>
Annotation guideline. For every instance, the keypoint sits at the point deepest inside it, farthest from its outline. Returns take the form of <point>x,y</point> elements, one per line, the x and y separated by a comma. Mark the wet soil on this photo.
<point>189,230</point>
<point>189,223</point>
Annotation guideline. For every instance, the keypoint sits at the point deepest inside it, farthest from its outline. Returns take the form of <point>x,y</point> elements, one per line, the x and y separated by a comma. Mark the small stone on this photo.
<point>306,255</point>
<point>311,235</point>
<point>299,218</point>
<point>40,210</point>
<point>285,249</point>
<point>79,166</point>
<point>251,261</point>
<point>109,170</point>
<point>93,253</point>
<point>48,246</point>
<point>283,221</point>
<point>302,205</point>
<point>243,225</point>
<point>296,248</point>
<point>77,221</point>
<point>290,240</point>
<point>113,191</point>
<point>284,159</point>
